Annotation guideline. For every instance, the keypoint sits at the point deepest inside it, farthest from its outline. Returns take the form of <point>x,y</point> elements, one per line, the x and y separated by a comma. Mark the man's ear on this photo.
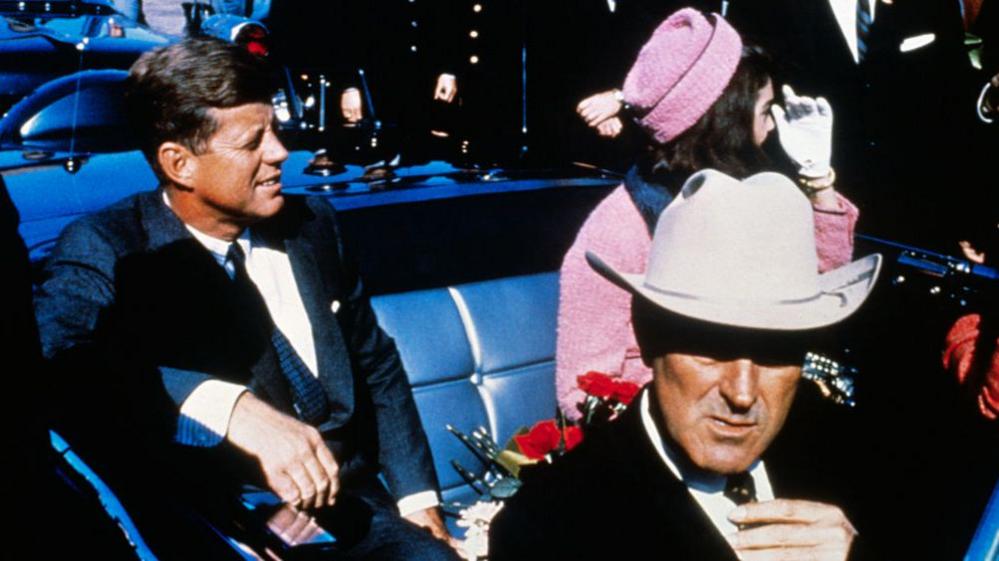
<point>177,163</point>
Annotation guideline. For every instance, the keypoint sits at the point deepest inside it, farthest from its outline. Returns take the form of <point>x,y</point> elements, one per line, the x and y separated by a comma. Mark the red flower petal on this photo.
<point>543,438</point>
<point>596,384</point>
<point>625,392</point>
<point>539,441</point>
<point>573,436</point>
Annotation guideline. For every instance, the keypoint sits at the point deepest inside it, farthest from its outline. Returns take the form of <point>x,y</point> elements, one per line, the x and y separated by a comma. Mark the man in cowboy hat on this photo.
<point>728,305</point>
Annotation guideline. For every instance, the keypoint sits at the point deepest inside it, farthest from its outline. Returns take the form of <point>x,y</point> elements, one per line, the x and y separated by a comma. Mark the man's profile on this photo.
<point>230,324</point>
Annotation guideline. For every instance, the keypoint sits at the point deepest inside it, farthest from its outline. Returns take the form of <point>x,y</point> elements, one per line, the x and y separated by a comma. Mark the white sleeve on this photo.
<point>417,502</point>
<point>204,415</point>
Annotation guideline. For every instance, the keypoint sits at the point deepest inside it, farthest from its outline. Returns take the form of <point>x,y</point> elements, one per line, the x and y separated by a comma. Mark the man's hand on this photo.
<point>599,107</point>
<point>787,530</point>
<point>350,105</point>
<point>297,465</point>
<point>610,128</point>
<point>446,88</point>
<point>970,253</point>
<point>430,518</point>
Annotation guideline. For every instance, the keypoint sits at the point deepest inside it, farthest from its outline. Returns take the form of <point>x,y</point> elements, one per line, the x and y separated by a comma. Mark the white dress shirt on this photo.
<point>707,489</point>
<point>205,414</point>
<point>846,16</point>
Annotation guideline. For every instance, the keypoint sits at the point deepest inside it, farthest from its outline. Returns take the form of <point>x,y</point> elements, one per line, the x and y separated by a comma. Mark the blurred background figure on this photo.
<point>405,53</point>
<point>492,58</point>
<point>578,49</point>
<point>392,64</point>
<point>131,9</point>
<point>899,80</point>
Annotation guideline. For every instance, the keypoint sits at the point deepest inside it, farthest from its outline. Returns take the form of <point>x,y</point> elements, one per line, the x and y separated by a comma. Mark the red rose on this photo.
<point>596,384</point>
<point>624,392</point>
<point>543,438</point>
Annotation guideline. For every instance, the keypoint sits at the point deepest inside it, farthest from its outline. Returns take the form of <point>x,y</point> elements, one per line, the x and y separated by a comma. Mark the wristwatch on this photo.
<point>619,97</point>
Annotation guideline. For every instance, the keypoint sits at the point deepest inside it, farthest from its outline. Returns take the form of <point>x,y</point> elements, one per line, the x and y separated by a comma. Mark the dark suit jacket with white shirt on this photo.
<point>902,116</point>
<point>613,497</point>
<point>137,313</point>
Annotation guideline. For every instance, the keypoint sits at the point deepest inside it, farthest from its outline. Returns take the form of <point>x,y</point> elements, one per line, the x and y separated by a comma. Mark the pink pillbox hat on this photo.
<point>681,71</point>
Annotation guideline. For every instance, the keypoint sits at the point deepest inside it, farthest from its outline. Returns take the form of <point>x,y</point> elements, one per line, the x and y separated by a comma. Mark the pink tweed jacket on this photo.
<point>594,316</point>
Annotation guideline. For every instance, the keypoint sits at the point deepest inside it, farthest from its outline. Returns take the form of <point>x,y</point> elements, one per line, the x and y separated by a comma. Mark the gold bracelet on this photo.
<point>813,185</point>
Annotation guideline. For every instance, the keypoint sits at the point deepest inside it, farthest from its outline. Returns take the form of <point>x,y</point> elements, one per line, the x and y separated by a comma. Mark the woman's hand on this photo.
<point>805,131</point>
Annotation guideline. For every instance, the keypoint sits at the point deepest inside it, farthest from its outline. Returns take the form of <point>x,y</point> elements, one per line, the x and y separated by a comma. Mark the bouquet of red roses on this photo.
<point>546,441</point>
<point>605,399</point>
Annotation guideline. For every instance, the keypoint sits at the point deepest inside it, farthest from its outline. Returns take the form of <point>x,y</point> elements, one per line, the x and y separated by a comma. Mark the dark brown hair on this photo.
<point>170,90</point>
<point>722,138</point>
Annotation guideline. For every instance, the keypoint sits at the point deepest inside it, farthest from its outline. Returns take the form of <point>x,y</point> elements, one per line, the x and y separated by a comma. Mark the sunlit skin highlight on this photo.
<point>235,180</point>
<point>723,414</point>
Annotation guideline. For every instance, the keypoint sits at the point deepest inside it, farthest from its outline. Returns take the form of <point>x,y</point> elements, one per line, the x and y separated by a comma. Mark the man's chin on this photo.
<point>271,206</point>
<point>726,460</point>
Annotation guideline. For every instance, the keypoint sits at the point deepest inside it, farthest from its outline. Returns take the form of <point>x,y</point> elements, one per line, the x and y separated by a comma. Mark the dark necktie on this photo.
<point>740,488</point>
<point>309,395</point>
<point>864,22</point>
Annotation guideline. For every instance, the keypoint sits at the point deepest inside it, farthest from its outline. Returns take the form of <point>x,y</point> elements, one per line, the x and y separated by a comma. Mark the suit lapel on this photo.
<point>165,232</point>
<point>680,524</point>
<point>318,291</point>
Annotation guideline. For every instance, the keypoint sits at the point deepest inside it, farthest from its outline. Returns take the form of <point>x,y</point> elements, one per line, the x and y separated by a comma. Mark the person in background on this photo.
<point>897,75</point>
<point>705,101</point>
<point>132,9</point>
<point>971,341</point>
<point>407,51</point>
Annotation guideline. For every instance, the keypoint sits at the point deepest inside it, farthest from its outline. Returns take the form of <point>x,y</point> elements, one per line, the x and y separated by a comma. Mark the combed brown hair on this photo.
<point>170,90</point>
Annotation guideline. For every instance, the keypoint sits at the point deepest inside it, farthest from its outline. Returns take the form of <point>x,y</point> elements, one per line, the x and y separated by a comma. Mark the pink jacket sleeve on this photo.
<point>834,234</point>
<point>594,316</point>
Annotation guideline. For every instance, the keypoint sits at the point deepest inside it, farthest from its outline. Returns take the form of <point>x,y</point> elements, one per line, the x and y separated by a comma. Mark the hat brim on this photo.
<point>842,291</point>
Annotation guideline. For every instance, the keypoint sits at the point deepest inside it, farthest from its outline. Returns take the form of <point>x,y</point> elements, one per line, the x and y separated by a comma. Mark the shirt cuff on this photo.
<point>204,415</point>
<point>417,502</point>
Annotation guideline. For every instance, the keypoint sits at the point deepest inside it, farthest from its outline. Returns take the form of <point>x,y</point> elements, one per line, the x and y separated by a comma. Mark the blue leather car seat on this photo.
<point>479,354</point>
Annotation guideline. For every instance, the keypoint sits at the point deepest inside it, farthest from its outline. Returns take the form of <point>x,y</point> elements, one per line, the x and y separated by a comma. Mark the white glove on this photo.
<point>805,131</point>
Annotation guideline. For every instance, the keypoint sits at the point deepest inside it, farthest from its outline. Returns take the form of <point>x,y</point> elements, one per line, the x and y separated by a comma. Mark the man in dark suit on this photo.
<point>680,475</point>
<point>407,51</point>
<point>897,78</point>
<point>230,323</point>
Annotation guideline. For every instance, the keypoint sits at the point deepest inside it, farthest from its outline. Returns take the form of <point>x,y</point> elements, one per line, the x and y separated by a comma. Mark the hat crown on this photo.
<point>725,240</point>
<point>675,46</point>
<point>681,71</point>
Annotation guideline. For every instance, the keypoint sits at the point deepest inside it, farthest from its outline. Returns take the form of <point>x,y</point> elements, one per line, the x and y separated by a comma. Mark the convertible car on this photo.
<point>461,261</point>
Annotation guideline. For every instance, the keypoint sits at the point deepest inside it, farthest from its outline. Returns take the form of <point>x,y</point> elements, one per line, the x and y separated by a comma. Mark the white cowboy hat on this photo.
<point>742,253</point>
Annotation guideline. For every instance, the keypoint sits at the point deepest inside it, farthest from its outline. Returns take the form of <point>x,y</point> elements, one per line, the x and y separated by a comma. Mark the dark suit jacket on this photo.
<point>614,498</point>
<point>134,307</point>
<point>902,119</point>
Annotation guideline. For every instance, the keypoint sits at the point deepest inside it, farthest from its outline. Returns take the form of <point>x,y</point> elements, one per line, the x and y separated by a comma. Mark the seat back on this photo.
<point>478,354</point>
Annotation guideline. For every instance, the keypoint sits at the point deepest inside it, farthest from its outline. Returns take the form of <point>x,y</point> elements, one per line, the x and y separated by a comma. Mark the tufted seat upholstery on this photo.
<point>478,354</point>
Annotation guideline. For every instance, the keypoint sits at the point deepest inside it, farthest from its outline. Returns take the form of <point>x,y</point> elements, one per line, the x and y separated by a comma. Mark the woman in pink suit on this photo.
<point>706,101</point>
